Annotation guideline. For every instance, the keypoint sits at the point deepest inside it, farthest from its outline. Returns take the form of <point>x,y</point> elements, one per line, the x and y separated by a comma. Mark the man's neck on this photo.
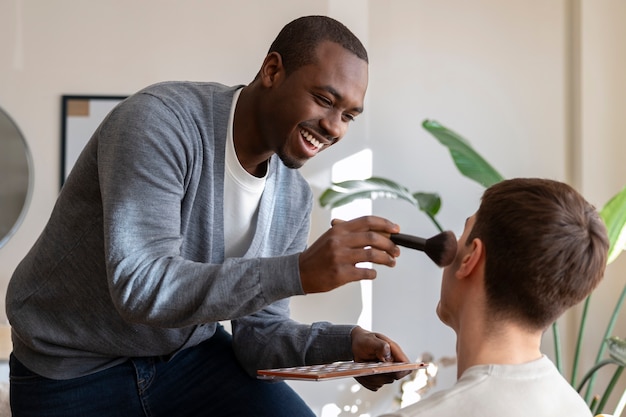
<point>248,146</point>
<point>502,344</point>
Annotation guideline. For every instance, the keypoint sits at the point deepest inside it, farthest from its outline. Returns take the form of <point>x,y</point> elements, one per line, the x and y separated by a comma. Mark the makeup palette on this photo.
<point>337,370</point>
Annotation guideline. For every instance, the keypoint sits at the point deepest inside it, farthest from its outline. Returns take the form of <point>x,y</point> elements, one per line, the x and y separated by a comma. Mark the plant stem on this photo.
<point>609,389</point>
<point>557,347</point>
<point>437,225</point>
<point>594,402</point>
<point>621,404</point>
<point>581,331</point>
<point>607,334</point>
<point>593,370</point>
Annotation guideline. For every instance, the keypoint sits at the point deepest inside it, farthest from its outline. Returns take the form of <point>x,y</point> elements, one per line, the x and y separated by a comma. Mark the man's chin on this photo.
<point>292,163</point>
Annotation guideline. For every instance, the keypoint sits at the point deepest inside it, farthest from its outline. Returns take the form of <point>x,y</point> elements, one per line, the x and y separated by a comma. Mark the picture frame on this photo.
<point>80,117</point>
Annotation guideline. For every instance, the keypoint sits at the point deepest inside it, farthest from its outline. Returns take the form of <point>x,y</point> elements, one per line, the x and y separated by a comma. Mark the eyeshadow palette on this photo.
<point>337,370</point>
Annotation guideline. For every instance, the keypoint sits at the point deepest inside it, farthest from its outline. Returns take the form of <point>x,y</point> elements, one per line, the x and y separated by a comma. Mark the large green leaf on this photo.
<point>430,203</point>
<point>614,215</point>
<point>466,159</point>
<point>345,192</point>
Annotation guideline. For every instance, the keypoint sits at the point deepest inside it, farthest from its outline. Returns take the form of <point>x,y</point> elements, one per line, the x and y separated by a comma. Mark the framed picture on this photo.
<point>80,116</point>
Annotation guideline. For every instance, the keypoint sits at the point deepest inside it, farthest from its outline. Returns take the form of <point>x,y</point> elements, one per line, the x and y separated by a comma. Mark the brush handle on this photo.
<point>408,241</point>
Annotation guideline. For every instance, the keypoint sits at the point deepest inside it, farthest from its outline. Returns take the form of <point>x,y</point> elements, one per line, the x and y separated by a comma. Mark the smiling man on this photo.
<point>184,210</point>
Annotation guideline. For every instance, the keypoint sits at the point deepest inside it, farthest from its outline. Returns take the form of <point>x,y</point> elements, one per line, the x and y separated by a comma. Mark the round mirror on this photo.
<point>15,178</point>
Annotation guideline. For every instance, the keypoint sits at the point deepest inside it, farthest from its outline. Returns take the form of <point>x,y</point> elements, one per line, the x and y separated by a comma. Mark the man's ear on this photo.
<point>271,69</point>
<point>472,259</point>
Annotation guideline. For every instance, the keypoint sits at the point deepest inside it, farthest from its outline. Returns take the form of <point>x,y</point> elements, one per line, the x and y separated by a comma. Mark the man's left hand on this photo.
<point>369,347</point>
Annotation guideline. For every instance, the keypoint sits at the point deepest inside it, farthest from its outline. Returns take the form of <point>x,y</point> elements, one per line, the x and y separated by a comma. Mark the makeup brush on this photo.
<point>440,248</point>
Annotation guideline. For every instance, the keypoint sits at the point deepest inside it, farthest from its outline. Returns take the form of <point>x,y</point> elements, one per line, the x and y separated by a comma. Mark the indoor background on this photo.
<point>536,86</point>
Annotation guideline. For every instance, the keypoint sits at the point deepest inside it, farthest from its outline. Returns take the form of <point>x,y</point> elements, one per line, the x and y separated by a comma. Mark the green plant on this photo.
<point>466,159</point>
<point>476,168</point>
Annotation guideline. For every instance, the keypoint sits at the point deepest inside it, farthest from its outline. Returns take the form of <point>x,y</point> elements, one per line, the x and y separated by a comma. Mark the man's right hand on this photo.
<point>331,260</point>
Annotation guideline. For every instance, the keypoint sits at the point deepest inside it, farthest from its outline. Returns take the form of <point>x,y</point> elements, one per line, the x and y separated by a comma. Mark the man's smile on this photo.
<point>309,138</point>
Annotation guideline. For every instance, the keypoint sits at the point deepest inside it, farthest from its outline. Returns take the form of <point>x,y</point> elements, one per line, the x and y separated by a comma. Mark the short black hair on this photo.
<point>297,41</point>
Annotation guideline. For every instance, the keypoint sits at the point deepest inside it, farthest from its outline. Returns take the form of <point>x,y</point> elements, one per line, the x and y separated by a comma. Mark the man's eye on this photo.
<point>349,117</point>
<point>325,101</point>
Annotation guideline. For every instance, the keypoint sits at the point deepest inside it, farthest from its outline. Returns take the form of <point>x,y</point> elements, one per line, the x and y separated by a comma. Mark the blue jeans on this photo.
<point>205,380</point>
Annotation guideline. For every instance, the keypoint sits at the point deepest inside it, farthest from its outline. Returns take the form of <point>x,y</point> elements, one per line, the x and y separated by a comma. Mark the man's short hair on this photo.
<point>297,41</point>
<point>546,249</point>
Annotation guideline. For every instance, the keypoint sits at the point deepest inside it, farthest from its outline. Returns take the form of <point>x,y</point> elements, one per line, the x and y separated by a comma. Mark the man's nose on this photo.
<point>334,126</point>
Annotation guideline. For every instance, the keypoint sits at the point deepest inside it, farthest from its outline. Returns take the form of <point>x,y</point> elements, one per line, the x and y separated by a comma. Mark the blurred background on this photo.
<point>536,86</point>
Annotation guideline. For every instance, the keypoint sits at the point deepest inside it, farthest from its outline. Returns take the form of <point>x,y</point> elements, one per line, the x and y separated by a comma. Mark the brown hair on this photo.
<point>546,249</point>
<point>298,40</point>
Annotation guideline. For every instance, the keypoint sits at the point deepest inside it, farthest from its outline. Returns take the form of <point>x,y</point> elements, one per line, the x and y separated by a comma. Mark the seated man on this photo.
<point>533,249</point>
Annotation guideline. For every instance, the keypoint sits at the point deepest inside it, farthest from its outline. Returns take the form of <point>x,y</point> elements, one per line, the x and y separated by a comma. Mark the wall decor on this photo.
<point>16,179</point>
<point>80,116</point>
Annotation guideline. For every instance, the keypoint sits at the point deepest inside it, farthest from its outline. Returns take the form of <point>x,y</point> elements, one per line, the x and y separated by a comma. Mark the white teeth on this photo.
<point>311,139</point>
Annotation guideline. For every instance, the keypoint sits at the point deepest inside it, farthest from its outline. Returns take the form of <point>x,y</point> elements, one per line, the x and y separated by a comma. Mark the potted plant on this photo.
<point>476,168</point>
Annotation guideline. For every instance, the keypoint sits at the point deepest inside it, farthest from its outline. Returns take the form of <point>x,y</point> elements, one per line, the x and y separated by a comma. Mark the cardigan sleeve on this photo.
<point>269,338</point>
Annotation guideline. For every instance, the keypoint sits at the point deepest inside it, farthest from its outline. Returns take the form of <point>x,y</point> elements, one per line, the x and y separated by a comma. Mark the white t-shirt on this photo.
<point>533,389</point>
<point>242,193</point>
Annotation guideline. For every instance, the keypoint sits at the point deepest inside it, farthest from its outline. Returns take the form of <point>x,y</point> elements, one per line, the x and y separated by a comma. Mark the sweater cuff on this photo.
<point>280,277</point>
<point>337,342</point>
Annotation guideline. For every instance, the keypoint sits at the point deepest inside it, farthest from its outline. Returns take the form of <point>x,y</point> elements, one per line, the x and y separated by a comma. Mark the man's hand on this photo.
<point>331,260</point>
<point>369,347</point>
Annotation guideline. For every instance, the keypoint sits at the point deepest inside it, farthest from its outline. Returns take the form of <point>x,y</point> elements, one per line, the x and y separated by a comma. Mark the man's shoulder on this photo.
<point>185,91</point>
<point>190,102</point>
<point>492,390</point>
<point>441,404</point>
<point>180,86</point>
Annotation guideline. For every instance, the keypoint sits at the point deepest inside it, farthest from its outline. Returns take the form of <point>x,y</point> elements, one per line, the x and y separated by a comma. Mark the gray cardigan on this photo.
<point>131,262</point>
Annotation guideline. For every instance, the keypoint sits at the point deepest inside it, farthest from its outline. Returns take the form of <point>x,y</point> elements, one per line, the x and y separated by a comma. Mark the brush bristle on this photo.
<point>441,248</point>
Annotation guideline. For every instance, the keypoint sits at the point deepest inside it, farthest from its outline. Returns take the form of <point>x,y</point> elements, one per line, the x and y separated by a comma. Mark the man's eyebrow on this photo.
<point>339,97</point>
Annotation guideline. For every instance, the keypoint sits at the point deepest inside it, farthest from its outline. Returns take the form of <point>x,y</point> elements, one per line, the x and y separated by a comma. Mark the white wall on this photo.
<point>496,72</point>
<point>603,146</point>
<point>479,68</point>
